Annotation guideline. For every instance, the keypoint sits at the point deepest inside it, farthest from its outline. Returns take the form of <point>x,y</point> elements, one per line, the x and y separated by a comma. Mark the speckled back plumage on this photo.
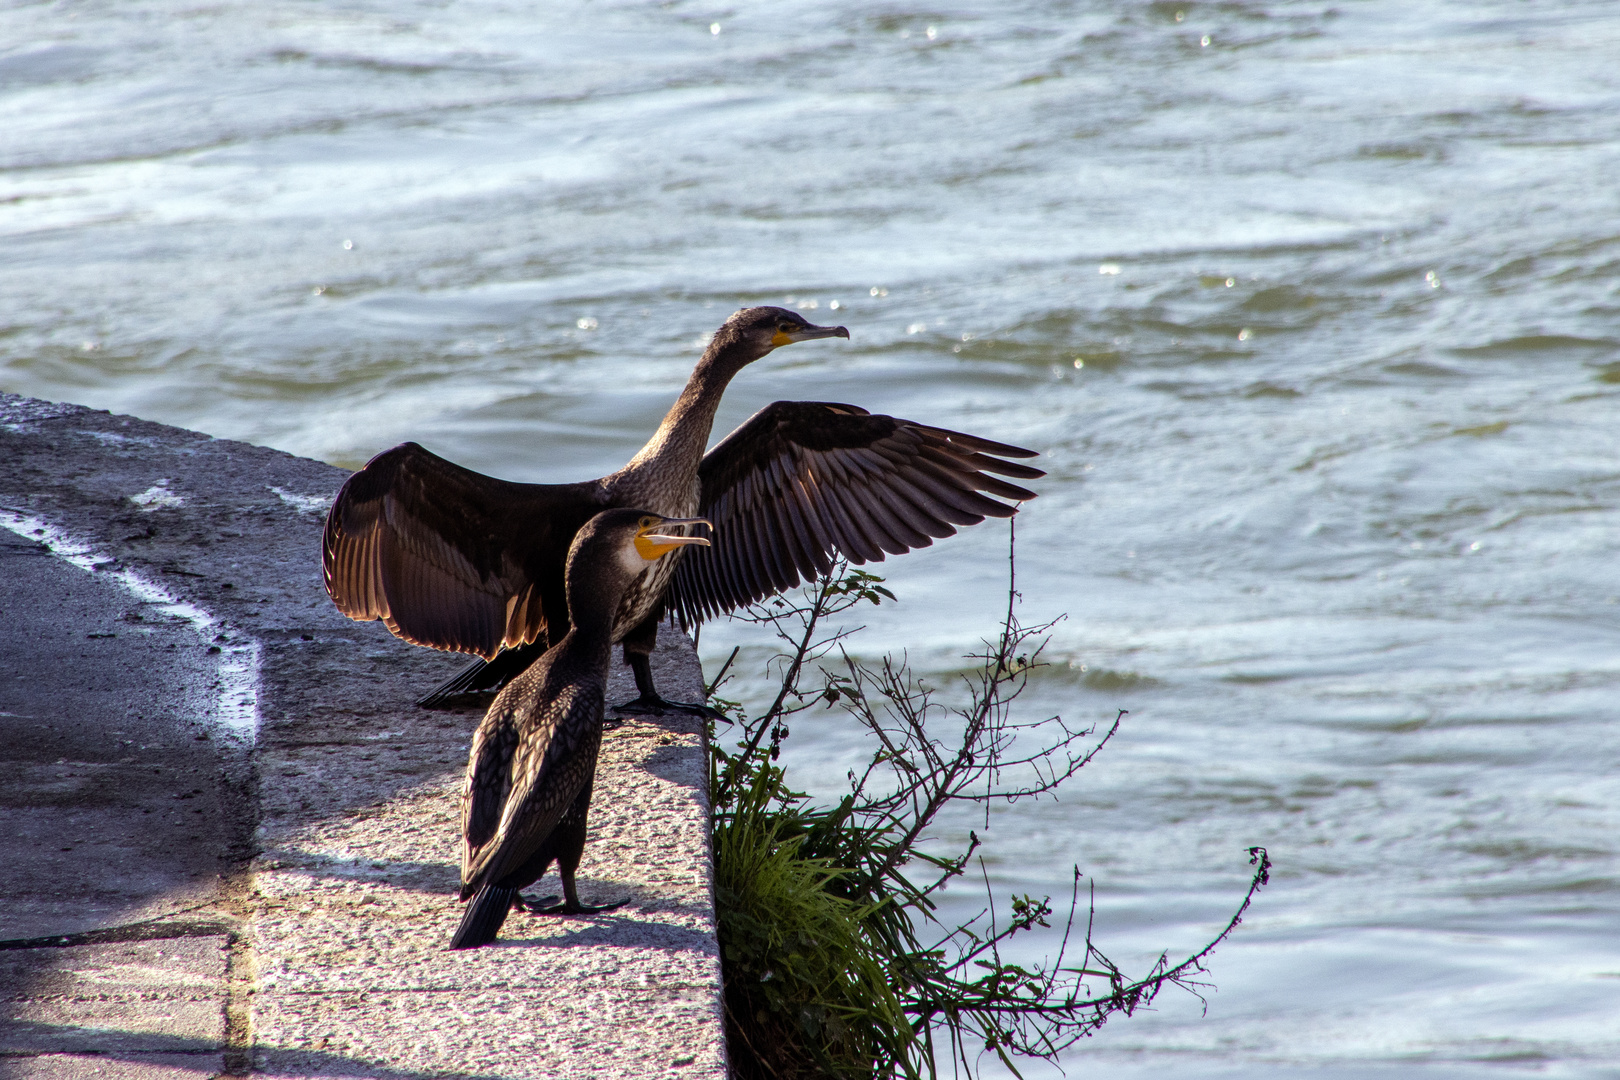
<point>538,742</point>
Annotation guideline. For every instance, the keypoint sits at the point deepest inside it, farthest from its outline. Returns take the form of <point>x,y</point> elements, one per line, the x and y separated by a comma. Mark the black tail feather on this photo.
<point>481,675</point>
<point>469,680</point>
<point>483,918</point>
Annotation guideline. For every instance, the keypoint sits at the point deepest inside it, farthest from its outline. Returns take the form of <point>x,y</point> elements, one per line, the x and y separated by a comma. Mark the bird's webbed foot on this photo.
<point>651,702</point>
<point>523,903</point>
<point>657,705</point>
<point>575,908</point>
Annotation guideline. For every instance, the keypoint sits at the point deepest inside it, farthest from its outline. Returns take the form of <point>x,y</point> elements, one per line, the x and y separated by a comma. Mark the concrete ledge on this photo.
<point>241,835</point>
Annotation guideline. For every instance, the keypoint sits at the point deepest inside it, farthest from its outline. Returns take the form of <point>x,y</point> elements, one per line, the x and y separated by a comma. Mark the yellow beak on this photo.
<point>653,545</point>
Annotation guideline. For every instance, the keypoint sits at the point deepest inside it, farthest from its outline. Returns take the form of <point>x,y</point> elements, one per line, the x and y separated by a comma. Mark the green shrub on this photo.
<point>834,962</point>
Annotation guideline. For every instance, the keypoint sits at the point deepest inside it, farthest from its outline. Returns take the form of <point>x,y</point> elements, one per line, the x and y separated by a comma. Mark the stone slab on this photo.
<point>322,866</point>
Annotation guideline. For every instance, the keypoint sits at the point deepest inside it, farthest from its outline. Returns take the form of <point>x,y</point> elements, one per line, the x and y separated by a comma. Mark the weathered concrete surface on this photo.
<point>295,926</point>
<point>110,791</point>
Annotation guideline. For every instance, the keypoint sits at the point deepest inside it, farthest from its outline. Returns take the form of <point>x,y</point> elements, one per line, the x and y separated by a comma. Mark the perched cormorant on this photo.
<point>534,755</point>
<point>453,559</point>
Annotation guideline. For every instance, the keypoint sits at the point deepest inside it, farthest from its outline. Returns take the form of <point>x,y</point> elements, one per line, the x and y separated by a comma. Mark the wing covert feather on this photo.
<point>448,557</point>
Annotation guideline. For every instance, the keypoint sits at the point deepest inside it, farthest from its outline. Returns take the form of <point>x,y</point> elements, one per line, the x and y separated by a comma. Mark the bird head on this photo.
<point>620,543</point>
<point>753,332</point>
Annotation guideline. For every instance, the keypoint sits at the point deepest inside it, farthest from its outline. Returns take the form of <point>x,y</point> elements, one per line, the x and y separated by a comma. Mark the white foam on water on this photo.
<point>236,701</point>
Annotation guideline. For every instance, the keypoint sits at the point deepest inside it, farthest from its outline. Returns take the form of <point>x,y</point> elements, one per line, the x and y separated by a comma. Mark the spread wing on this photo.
<point>802,482</point>
<point>448,557</point>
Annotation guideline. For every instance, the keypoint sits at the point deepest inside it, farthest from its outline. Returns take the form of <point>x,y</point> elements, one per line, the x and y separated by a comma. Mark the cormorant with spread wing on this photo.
<point>534,755</point>
<point>453,559</point>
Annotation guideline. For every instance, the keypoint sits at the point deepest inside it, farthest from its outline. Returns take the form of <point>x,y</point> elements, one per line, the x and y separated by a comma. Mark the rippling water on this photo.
<point>1310,308</point>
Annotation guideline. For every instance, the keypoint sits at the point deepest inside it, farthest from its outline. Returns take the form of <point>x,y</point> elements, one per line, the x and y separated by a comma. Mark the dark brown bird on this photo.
<point>534,755</point>
<point>453,559</point>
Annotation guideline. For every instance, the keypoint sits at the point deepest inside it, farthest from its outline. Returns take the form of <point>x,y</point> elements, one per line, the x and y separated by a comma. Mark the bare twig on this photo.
<point>866,853</point>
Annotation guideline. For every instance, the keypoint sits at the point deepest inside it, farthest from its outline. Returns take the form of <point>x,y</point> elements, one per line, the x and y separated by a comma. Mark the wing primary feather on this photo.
<point>937,514</point>
<point>716,575</point>
<point>722,573</point>
<point>817,537</point>
<point>720,582</point>
<point>781,567</point>
<point>784,548</point>
<point>875,498</point>
<point>973,442</point>
<point>946,456</point>
<point>751,558</point>
<point>798,540</point>
<point>685,590</point>
<point>855,508</point>
<point>743,553</point>
<point>974,477</point>
<point>850,541</point>
<point>898,451</point>
<point>962,497</point>
<point>794,538</point>
<point>848,501</point>
<point>893,531</point>
<point>831,468</point>
<point>813,492</point>
<point>769,547</point>
<point>986,463</point>
<point>913,517</point>
<point>866,462</point>
<point>1000,487</point>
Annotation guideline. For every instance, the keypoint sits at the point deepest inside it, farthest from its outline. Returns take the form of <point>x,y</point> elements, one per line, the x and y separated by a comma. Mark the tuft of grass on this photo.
<point>807,994</point>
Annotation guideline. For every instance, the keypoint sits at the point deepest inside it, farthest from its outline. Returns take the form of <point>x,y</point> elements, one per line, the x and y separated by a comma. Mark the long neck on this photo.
<point>584,651</point>
<point>683,436</point>
<point>593,600</point>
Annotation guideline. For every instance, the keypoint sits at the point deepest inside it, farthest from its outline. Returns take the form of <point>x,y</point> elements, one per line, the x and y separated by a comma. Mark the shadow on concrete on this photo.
<point>403,875</point>
<point>604,928</point>
<point>149,930</point>
<point>100,1044</point>
<point>112,791</point>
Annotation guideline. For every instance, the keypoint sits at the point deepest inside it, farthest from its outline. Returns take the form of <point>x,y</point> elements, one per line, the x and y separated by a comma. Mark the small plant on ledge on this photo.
<point>835,964</point>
